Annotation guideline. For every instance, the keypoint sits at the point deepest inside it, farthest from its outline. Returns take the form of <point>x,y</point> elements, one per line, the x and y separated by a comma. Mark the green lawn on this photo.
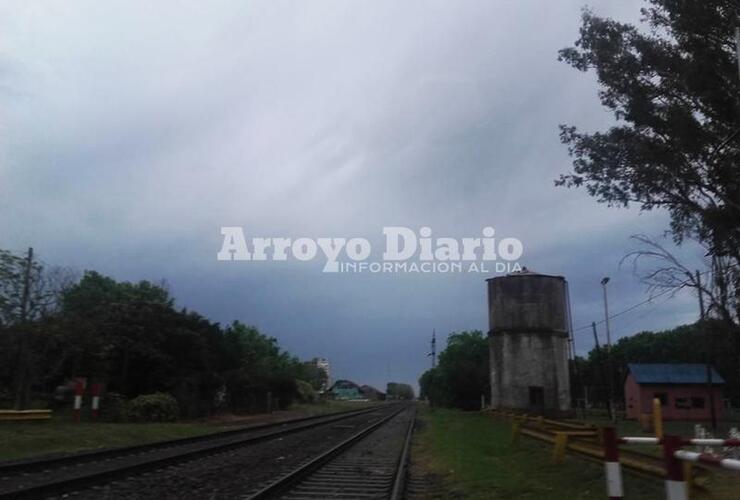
<point>474,457</point>
<point>27,439</point>
<point>61,435</point>
<point>331,406</point>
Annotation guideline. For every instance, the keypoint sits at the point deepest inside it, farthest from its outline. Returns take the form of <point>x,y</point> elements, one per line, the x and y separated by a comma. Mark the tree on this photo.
<point>131,337</point>
<point>662,271</point>
<point>396,390</point>
<point>312,373</point>
<point>461,375</point>
<point>29,293</point>
<point>674,91</point>
<point>256,368</point>
<point>683,344</point>
<point>18,302</point>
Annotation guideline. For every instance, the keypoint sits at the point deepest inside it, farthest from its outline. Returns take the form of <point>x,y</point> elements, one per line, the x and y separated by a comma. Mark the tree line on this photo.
<point>55,325</point>
<point>462,374</point>
<point>694,343</point>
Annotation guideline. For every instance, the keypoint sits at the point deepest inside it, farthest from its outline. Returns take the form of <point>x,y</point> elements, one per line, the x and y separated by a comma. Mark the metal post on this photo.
<point>612,468</point>
<point>658,418</point>
<point>675,485</point>
<point>434,348</point>
<point>612,409</point>
<point>560,448</point>
<point>79,391</point>
<point>705,331</point>
<point>96,390</point>
<point>433,354</point>
<point>606,313</point>
<point>601,365</point>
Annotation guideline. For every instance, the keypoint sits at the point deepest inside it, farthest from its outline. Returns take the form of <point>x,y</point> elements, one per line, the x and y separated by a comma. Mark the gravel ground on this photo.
<point>93,463</point>
<point>366,470</point>
<point>231,474</point>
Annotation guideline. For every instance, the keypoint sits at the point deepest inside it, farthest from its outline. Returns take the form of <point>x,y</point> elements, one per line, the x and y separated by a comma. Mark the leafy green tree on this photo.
<point>314,375</point>
<point>131,337</point>
<point>674,91</point>
<point>461,375</point>
<point>95,291</point>
<point>683,344</point>
<point>29,293</point>
<point>257,369</point>
<point>396,390</point>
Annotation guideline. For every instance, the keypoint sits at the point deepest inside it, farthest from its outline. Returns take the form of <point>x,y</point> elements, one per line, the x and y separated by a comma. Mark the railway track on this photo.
<point>49,477</point>
<point>370,464</point>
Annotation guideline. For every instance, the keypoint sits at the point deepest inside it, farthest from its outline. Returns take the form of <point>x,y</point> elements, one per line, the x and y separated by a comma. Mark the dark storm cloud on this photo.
<point>132,132</point>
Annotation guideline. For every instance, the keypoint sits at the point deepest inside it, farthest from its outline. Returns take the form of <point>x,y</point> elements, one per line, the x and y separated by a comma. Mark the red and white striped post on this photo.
<point>612,468</point>
<point>96,389</point>
<point>79,391</point>
<point>709,459</point>
<point>675,484</point>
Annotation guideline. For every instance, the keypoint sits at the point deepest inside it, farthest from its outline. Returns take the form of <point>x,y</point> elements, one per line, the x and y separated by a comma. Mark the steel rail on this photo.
<point>45,463</point>
<point>400,480</point>
<point>82,480</point>
<point>286,481</point>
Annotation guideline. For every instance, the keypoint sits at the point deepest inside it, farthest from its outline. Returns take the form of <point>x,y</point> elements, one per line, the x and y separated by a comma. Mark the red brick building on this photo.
<point>681,388</point>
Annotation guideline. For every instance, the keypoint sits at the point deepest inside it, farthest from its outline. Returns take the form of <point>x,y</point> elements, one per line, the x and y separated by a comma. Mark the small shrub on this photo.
<point>306,393</point>
<point>113,407</point>
<point>157,407</point>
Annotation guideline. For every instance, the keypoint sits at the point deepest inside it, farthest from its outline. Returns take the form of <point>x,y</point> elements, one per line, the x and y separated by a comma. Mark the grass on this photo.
<point>473,456</point>
<point>330,406</point>
<point>27,439</point>
<point>61,435</point>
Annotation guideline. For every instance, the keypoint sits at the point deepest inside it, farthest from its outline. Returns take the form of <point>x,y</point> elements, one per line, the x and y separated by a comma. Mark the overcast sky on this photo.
<point>131,132</point>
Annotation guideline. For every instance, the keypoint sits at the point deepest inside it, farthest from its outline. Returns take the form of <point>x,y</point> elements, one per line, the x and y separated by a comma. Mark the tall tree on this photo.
<point>462,373</point>
<point>674,90</point>
<point>25,291</point>
<point>29,294</point>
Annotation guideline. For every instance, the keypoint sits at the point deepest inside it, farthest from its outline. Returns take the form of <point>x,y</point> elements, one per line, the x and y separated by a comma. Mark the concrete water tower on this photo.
<point>528,316</point>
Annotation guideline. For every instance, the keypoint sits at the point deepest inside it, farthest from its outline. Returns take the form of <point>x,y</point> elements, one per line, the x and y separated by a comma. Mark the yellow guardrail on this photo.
<point>24,415</point>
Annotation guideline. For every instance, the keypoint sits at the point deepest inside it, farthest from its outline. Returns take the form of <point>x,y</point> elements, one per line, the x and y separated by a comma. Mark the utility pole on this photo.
<point>708,340</point>
<point>606,313</point>
<point>612,409</point>
<point>610,400</point>
<point>433,354</point>
<point>20,397</point>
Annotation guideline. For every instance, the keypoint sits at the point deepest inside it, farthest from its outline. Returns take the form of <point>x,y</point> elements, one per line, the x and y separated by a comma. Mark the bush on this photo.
<point>113,407</point>
<point>306,393</point>
<point>157,407</point>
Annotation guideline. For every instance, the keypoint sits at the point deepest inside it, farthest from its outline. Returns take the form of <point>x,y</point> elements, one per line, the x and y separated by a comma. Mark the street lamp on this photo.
<point>612,410</point>
<point>604,281</point>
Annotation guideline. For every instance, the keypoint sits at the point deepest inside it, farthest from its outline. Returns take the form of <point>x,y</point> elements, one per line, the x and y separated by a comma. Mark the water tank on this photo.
<point>528,341</point>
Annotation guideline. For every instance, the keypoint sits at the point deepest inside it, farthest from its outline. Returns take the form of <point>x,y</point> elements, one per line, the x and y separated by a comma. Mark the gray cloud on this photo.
<point>132,133</point>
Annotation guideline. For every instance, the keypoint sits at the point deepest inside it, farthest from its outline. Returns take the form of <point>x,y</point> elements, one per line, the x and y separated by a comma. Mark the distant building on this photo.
<point>371,393</point>
<point>681,388</point>
<point>345,389</point>
<point>323,364</point>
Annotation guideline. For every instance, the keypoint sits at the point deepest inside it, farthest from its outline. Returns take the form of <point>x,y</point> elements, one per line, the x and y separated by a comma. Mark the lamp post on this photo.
<point>612,409</point>
<point>606,313</point>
